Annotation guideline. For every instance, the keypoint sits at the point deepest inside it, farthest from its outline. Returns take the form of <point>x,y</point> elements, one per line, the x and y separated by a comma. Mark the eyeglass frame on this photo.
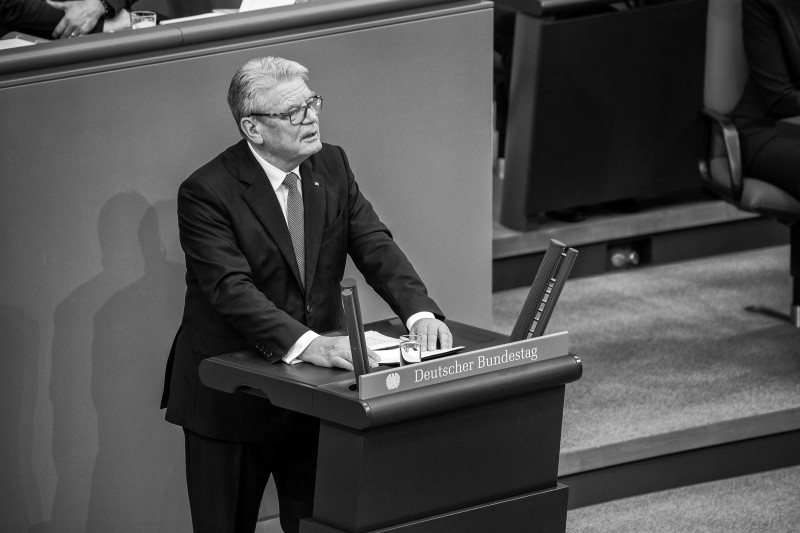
<point>288,114</point>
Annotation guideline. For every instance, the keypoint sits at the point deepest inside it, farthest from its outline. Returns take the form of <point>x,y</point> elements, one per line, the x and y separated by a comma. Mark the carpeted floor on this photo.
<point>671,347</point>
<point>668,348</point>
<point>760,503</point>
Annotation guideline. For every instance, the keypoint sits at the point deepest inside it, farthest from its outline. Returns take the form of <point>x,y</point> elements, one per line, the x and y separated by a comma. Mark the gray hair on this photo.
<point>250,86</point>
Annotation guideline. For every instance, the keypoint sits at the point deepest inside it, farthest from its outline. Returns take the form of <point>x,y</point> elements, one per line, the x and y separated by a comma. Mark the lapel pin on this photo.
<point>316,183</point>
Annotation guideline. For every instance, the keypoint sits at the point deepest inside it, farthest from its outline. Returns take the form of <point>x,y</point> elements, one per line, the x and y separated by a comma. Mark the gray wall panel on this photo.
<point>92,273</point>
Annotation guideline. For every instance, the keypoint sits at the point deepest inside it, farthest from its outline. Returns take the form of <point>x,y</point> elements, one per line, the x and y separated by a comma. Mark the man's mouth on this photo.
<point>310,136</point>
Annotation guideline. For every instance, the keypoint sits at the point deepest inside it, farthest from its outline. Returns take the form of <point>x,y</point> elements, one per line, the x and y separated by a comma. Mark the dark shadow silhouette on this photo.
<point>135,486</point>
<point>112,337</point>
<point>74,418</point>
<point>18,378</point>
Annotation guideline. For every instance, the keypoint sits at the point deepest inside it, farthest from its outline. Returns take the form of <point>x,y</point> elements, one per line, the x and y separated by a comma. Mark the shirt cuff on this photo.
<point>298,347</point>
<point>416,316</point>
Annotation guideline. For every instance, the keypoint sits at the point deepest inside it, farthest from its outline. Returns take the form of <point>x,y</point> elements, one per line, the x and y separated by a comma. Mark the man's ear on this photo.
<point>250,129</point>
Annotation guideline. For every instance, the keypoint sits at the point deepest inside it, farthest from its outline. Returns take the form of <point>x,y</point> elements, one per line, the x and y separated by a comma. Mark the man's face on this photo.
<point>287,145</point>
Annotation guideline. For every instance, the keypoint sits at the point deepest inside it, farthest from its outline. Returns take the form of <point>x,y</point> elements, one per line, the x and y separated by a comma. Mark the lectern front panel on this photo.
<point>372,479</point>
<point>427,459</point>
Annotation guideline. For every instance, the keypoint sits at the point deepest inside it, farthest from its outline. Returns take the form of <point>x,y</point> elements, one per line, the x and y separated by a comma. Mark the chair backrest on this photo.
<point>726,65</point>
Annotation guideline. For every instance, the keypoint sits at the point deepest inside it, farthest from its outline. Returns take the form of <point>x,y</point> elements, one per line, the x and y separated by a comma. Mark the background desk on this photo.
<point>602,107</point>
<point>472,455</point>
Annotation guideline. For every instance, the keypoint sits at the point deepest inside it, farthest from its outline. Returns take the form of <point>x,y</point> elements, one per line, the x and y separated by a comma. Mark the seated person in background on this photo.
<point>266,228</point>
<point>51,19</point>
<point>772,92</point>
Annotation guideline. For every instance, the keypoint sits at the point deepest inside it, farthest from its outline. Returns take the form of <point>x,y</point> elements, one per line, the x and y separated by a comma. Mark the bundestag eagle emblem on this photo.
<point>393,381</point>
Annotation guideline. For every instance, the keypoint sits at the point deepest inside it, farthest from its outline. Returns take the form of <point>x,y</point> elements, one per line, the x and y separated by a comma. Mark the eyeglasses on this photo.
<point>297,115</point>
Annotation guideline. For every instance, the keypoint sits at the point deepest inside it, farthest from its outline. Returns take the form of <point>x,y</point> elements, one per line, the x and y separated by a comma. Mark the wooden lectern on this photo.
<point>468,455</point>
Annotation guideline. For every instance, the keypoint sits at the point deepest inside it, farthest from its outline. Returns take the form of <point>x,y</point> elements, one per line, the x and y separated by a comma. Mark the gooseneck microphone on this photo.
<point>355,327</point>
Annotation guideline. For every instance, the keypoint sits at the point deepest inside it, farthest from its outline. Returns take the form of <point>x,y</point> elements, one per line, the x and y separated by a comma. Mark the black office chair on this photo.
<point>719,155</point>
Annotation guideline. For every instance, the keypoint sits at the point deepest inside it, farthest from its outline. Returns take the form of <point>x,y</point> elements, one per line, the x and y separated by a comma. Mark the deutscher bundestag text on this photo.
<point>482,361</point>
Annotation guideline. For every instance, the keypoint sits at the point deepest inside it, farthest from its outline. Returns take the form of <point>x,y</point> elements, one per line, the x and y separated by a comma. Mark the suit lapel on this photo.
<point>314,203</point>
<point>262,200</point>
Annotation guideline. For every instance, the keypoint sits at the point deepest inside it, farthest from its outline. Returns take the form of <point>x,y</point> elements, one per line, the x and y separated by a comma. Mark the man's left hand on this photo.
<point>430,331</point>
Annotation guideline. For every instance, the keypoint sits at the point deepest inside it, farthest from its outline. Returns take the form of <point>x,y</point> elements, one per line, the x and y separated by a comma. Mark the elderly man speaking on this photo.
<point>266,227</point>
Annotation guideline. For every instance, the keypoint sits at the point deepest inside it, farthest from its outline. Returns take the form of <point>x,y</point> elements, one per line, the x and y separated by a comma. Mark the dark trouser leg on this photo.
<point>226,481</point>
<point>295,471</point>
<point>778,162</point>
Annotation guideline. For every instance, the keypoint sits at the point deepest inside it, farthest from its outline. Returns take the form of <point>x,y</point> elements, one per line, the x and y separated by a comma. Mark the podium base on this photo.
<point>544,511</point>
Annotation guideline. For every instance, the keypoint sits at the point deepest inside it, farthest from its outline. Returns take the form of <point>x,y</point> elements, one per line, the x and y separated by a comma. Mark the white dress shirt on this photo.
<point>276,177</point>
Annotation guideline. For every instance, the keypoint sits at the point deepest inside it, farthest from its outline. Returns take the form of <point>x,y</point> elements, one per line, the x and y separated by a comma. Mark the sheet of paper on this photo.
<point>388,348</point>
<point>14,42</point>
<point>193,17</point>
<point>391,356</point>
<point>379,341</point>
<point>251,5</point>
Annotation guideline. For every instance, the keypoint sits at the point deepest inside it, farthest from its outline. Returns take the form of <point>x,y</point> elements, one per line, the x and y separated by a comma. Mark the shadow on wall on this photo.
<point>18,364</point>
<point>119,464</point>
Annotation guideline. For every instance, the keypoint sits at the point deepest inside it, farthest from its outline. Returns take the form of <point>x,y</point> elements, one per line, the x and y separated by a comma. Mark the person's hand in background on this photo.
<point>122,21</point>
<point>80,17</point>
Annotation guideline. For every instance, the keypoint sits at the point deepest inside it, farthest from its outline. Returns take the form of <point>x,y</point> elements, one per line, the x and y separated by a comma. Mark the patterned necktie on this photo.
<point>294,217</point>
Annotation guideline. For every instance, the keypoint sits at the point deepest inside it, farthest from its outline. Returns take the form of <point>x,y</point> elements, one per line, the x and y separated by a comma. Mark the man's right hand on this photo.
<point>333,352</point>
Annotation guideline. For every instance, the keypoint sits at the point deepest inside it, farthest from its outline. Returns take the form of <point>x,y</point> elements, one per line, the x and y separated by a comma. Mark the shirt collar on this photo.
<point>274,174</point>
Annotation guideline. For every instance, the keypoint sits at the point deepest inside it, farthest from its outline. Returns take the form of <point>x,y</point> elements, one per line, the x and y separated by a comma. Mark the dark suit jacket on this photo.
<point>242,282</point>
<point>771,32</point>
